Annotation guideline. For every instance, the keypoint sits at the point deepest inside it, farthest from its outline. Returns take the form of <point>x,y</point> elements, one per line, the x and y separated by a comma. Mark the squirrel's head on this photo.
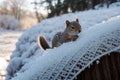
<point>73,28</point>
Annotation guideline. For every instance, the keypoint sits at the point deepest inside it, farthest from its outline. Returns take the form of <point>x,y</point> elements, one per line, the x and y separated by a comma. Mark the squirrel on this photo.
<point>69,34</point>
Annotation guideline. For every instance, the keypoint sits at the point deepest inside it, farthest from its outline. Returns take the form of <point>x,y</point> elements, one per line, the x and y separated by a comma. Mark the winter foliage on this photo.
<point>9,22</point>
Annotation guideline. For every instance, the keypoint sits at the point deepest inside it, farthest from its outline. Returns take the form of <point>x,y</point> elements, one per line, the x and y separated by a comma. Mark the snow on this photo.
<point>28,60</point>
<point>97,62</point>
<point>4,64</point>
<point>116,4</point>
<point>8,38</point>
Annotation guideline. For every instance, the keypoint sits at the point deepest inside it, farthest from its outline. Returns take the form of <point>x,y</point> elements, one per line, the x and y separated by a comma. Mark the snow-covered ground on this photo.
<point>28,53</point>
<point>7,45</point>
<point>7,40</point>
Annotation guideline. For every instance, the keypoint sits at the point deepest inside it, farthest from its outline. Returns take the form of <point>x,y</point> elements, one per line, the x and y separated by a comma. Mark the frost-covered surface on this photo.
<point>9,22</point>
<point>103,6</point>
<point>8,38</point>
<point>116,4</point>
<point>30,62</point>
<point>4,64</point>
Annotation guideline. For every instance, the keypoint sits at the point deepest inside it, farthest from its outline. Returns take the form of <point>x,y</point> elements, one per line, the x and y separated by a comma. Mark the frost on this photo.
<point>9,22</point>
<point>97,62</point>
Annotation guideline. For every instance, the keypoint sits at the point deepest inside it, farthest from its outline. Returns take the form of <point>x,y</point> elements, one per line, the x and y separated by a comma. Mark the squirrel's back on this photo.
<point>58,39</point>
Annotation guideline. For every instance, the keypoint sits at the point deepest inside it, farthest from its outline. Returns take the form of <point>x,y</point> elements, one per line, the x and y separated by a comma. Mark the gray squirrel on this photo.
<point>69,34</point>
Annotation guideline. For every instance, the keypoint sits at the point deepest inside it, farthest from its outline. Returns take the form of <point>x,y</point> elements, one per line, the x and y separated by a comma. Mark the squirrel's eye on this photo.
<point>72,28</point>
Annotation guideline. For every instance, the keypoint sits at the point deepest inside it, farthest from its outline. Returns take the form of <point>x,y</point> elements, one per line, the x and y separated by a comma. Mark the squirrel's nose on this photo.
<point>79,31</point>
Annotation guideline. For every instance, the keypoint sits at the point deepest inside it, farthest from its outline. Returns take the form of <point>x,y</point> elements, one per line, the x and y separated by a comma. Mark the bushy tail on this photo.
<point>42,42</point>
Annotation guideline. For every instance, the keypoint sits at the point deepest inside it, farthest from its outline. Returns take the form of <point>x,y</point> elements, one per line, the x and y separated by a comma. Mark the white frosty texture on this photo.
<point>116,4</point>
<point>9,22</point>
<point>28,59</point>
<point>3,64</point>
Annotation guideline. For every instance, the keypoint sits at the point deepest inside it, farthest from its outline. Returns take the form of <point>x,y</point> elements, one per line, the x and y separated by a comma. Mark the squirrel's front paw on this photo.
<point>75,37</point>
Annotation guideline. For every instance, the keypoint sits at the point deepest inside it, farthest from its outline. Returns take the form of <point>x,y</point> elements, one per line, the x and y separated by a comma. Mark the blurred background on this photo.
<point>24,13</point>
<point>16,16</point>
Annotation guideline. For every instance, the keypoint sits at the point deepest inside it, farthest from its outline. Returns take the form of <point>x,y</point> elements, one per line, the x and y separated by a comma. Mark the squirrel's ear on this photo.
<point>67,22</point>
<point>77,20</point>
